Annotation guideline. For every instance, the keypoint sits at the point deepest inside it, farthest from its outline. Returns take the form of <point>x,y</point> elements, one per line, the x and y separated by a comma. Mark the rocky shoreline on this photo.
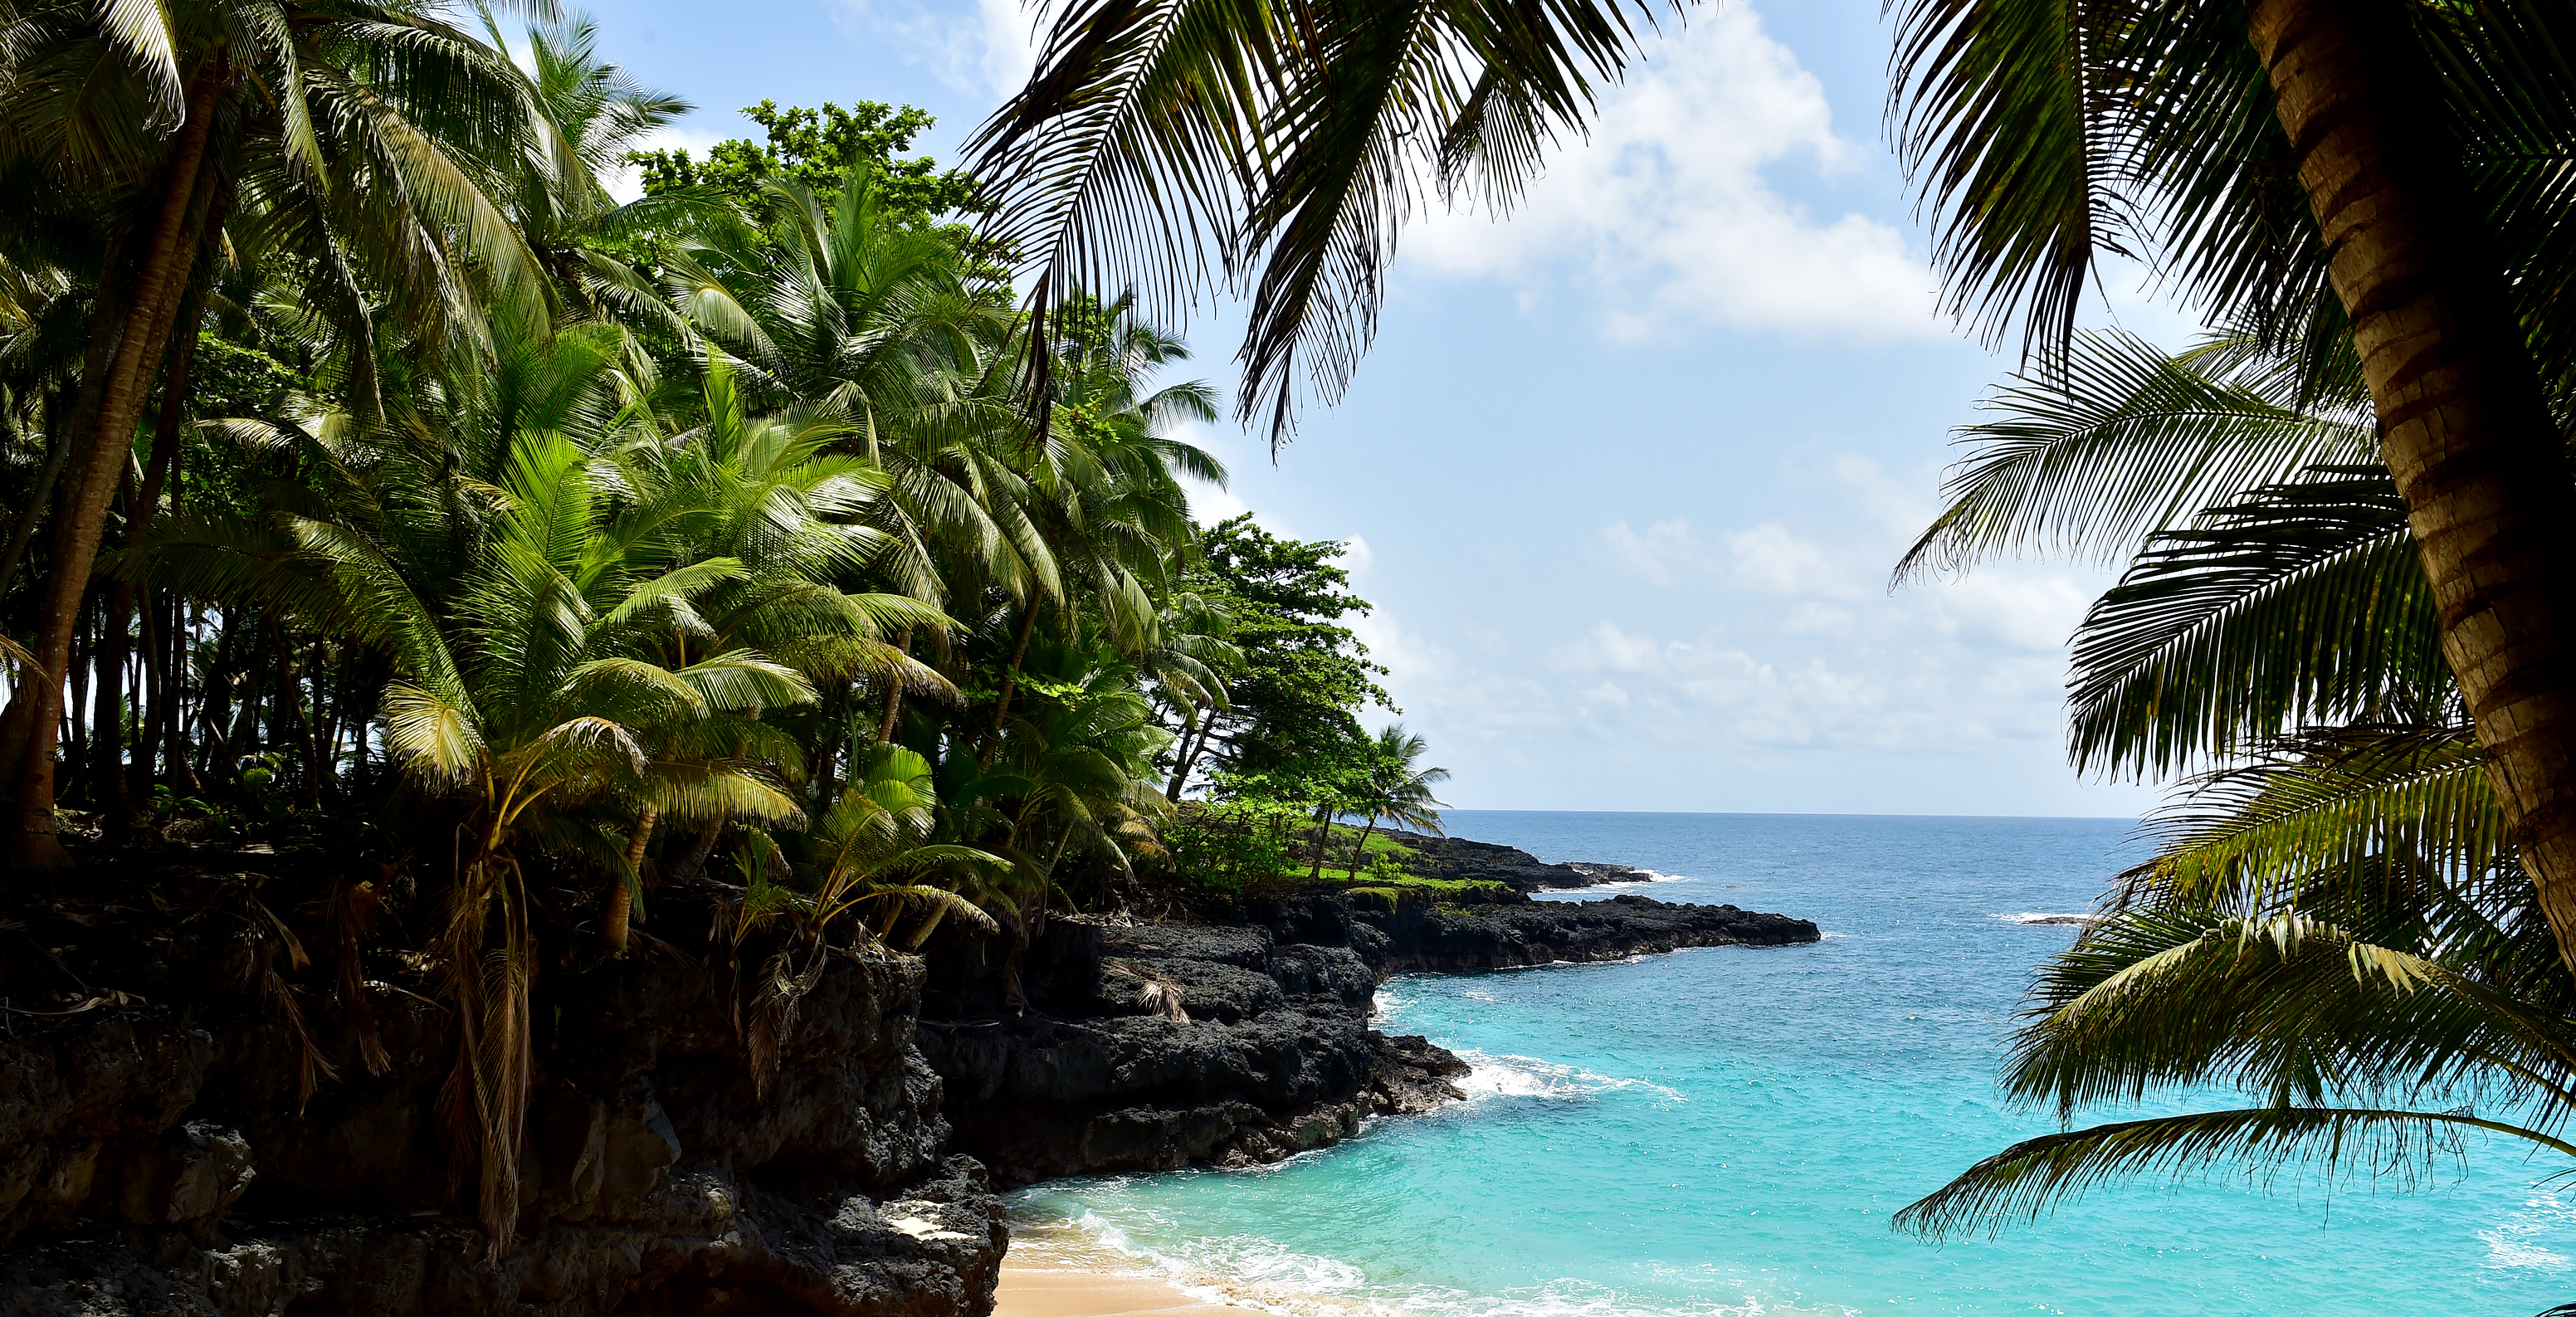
<point>168,1148</point>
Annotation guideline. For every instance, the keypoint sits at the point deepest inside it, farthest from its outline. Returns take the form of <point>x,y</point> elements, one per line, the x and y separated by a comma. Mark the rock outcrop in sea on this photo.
<point>1099,1071</point>
<point>169,1144</point>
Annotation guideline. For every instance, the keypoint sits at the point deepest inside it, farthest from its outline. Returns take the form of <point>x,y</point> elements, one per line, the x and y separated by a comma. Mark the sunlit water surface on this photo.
<point>1727,1130</point>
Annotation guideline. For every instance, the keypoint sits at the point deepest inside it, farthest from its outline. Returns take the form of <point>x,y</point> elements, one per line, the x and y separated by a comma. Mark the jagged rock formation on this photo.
<point>169,1145</point>
<point>161,1156</point>
<point>1456,858</point>
<point>1097,1072</point>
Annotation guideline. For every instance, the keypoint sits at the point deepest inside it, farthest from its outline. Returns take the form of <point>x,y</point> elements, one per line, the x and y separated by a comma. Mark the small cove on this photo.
<point>1726,1130</point>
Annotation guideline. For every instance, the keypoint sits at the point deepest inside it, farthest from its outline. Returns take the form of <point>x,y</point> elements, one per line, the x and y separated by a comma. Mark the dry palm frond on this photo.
<point>1158,994</point>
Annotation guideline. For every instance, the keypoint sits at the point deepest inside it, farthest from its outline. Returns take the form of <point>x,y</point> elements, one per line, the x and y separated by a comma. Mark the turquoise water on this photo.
<point>1726,1130</point>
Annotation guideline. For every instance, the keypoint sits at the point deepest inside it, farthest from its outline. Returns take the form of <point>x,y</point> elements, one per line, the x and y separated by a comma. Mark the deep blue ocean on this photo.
<point>1727,1130</point>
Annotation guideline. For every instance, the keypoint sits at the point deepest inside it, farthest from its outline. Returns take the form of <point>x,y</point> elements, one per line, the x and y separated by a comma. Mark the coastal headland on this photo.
<point>181,1131</point>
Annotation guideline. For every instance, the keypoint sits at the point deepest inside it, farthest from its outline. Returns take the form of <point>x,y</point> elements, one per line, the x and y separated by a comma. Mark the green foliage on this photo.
<point>1290,729</point>
<point>1233,844</point>
<point>818,150</point>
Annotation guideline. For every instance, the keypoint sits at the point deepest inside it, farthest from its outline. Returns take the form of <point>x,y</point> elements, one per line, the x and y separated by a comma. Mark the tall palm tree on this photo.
<point>363,138</point>
<point>2338,923</point>
<point>2380,173</point>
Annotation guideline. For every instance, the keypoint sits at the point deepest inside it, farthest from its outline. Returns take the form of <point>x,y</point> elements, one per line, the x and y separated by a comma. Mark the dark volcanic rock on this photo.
<point>1275,1055</point>
<point>1457,858</point>
<point>158,1157</point>
<point>1424,938</point>
<point>1268,1054</point>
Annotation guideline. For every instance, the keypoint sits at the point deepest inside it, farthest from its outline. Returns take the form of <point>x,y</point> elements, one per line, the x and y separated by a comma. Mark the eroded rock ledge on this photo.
<point>157,1156</point>
<point>1097,1072</point>
<point>159,1152</point>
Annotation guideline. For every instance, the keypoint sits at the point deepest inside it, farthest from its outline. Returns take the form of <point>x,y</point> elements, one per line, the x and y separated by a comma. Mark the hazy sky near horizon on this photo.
<point>1626,472</point>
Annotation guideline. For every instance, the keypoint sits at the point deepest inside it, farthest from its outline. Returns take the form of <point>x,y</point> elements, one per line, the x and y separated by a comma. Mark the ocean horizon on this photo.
<point>1728,1130</point>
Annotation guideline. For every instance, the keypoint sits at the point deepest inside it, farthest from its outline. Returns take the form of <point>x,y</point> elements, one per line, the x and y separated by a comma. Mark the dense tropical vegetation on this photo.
<point>815,528</point>
<point>385,491</point>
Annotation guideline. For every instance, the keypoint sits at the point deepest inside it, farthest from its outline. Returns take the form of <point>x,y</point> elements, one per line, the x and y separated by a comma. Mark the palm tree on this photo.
<point>838,304</point>
<point>1105,482</point>
<point>1284,143</point>
<point>2341,932</point>
<point>2337,923</point>
<point>491,546</point>
<point>358,137</point>
<point>1397,789</point>
<point>2369,172</point>
<point>766,493</point>
<point>872,848</point>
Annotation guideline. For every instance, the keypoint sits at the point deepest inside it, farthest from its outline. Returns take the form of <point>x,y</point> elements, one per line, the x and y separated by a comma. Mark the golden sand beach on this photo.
<point>1045,1291</point>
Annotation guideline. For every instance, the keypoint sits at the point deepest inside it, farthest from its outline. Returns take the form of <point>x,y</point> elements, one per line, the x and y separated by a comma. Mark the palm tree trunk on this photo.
<point>2464,425</point>
<point>617,912</point>
<point>107,720</point>
<point>158,289</point>
<point>141,505</point>
<point>894,695</point>
<point>1011,674</point>
<point>1362,848</point>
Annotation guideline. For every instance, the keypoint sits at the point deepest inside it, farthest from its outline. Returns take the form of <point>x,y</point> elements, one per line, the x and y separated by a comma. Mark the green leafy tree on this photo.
<point>1306,676</point>
<point>818,150</point>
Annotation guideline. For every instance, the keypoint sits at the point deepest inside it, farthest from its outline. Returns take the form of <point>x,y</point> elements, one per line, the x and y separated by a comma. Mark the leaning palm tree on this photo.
<point>2379,182</point>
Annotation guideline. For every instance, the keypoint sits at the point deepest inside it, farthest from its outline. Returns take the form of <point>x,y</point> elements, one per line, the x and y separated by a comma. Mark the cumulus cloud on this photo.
<point>987,53</point>
<point>1668,214</point>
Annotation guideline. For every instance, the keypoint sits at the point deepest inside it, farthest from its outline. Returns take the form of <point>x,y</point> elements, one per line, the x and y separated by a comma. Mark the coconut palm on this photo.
<point>359,138</point>
<point>1105,480</point>
<point>2337,923</point>
<point>1397,788</point>
<point>767,493</point>
<point>491,546</point>
<point>2243,147</point>
<point>872,850</point>
<point>2339,931</point>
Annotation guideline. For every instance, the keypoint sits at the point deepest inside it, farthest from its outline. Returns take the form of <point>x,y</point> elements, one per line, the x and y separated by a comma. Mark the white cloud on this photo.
<point>1770,558</point>
<point>1667,214</point>
<point>988,52</point>
<point>1666,553</point>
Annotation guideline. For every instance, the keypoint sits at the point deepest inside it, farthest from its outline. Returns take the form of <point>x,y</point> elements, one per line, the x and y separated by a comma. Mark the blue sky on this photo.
<point>1626,471</point>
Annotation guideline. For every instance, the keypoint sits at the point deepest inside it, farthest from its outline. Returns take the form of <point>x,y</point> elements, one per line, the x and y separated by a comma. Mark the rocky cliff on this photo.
<point>195,1119</point>
<point>171,1145</point>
